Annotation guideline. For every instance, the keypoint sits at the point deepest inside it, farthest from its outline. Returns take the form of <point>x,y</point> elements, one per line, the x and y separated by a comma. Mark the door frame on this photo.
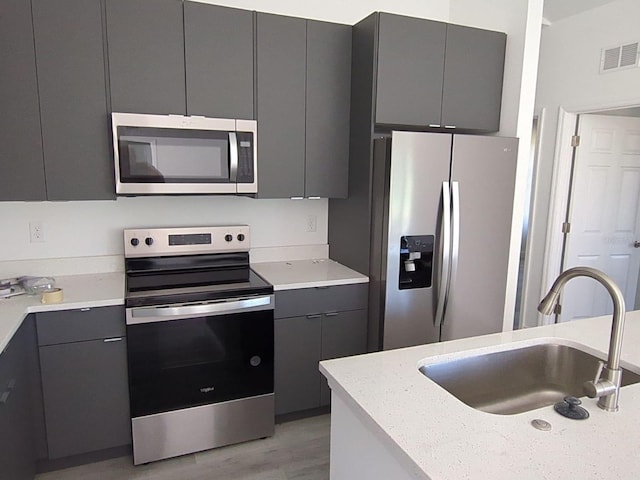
<point>560,184</point>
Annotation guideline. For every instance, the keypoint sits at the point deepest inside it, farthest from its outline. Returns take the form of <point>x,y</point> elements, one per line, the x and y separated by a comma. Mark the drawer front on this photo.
<point>66,326</point>
<point>312,301</point>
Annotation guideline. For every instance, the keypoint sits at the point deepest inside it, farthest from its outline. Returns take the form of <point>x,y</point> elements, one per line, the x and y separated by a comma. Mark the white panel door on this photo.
<point>604,213</point>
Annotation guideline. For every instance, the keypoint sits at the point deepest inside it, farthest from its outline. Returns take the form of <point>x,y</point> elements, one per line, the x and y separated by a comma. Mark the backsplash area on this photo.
<point>94,228</point>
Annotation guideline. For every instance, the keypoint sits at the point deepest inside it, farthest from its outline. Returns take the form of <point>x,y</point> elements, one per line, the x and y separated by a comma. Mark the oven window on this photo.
<point>190,362</point>
<point>156,155</point>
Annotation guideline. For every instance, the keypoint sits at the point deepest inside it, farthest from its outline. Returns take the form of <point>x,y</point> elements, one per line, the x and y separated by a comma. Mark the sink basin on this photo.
<point>519,380</point>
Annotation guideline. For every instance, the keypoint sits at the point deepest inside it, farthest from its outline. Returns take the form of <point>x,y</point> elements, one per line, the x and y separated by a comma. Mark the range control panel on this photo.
<point>153,242</point>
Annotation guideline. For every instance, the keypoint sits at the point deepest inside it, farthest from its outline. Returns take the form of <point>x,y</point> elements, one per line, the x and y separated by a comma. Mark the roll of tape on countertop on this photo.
<point>53,295</point>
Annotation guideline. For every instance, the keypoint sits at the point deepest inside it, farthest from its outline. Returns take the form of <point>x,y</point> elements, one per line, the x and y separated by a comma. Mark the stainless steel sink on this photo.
<point>519,380</point>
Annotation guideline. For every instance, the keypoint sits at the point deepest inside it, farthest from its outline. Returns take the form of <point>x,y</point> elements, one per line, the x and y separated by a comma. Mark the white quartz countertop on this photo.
<point>307,273</point>
<point>432,433</point>
<point>79,291</point>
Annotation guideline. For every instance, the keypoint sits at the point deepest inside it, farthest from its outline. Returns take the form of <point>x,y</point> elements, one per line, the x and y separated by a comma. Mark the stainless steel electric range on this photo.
<point>199,341</point>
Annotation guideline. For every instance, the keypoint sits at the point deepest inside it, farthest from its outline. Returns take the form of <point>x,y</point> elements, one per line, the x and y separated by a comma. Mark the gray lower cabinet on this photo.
<point>303,90</point>
<point>145,41</point>
<point>296,354</point>
<point>219,61</point>
<point>343,334</point>
<point>314,324</point>
<point>73,99</point>
<point>84,380</point>
<point>21,164</point>
<point>17,441</point>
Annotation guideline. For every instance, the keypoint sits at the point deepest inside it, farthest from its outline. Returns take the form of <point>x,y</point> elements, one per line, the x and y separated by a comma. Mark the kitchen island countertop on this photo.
<point>429,434</point>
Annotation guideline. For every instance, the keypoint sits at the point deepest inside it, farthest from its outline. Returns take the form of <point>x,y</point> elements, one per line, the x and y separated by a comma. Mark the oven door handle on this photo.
<point>175,312</point>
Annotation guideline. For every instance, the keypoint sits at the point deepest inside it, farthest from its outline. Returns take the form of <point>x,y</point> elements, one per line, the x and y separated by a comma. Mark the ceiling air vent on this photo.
<point>620,56</point>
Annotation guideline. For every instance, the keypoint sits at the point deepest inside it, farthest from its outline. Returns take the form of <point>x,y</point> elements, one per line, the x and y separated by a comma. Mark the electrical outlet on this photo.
<point>36,232</point>
<point>312,223</point>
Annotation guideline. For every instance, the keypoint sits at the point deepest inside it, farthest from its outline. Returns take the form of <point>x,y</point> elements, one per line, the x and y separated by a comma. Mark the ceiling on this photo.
<point>555,10</point>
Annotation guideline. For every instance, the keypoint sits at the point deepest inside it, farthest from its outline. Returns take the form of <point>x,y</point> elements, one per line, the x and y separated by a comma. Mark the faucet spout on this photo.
<point>606,385</point>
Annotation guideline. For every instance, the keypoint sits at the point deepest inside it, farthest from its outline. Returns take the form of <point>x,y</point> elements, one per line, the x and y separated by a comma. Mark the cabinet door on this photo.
<point>17,443</point>
<point>86,398</point>
<point>218,61</point>
<point>145,41</point>
<point>327,109</point>
<point>281,53</point>
<point>21,167</point>
<point>73,99</point>
<point>473,74</point>
<point>297,353</point>
<point>410,66</point>
<point>343,334</point>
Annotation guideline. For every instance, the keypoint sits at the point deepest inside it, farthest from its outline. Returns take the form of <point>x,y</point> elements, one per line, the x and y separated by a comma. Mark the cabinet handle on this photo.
<point>4,397</point>
<point>331,314</point>
<point>313,315</point>
<point>116,339</point>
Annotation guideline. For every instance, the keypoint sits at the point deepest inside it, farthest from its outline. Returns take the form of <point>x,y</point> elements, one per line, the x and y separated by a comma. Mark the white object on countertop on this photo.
<point>322,272</point>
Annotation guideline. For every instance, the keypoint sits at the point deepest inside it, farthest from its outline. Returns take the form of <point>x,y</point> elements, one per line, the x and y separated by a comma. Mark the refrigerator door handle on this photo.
<point>455,242</point>
<point>444,255</point>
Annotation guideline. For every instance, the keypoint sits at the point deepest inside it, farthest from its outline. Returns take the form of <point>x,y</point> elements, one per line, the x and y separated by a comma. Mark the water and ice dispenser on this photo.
<point>416,261</point>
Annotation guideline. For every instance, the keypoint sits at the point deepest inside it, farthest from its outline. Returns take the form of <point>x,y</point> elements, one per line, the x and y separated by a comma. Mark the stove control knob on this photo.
<point>228,237</point>
<point>148,241</point>
<point>135,242</point>
<point>255,361</point>
<point>241,237</point>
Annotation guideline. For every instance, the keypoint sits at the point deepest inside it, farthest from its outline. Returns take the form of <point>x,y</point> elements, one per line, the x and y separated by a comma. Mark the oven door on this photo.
<point>186,355</point>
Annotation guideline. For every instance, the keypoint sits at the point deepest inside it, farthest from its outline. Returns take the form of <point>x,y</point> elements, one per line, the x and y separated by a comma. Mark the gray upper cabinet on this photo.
<point>21,164</point>
<point>219,61</point>
<point>73,99</point>
<point>328,94</point>
<point>145,40</point>
<point>434,75</point>
<point>281,58</point>
<point>410,70</point>
<point>303,96</point>
<point>473,74</point>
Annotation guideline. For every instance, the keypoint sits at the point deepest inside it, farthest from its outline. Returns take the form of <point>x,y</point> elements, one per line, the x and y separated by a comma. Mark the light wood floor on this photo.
<point>299,450</point>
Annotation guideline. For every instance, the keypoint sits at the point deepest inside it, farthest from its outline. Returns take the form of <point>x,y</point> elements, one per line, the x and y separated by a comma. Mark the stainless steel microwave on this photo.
<point>174,154</point>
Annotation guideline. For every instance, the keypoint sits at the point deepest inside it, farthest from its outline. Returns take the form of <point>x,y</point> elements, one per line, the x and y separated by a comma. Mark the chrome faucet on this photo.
<point>606,385</point>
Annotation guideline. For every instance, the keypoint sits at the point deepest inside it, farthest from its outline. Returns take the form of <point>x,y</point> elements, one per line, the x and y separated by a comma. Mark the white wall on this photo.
<point>569,78</point>
<point>82,229</point>
<point>342,11</point>
<point>521,20</point>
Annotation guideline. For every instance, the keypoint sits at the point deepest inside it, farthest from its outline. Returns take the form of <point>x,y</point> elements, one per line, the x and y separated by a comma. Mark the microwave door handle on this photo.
<point>233,157</point>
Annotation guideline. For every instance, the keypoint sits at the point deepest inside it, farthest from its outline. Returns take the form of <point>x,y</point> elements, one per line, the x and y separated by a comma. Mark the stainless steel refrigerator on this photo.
<point>441,227</point>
